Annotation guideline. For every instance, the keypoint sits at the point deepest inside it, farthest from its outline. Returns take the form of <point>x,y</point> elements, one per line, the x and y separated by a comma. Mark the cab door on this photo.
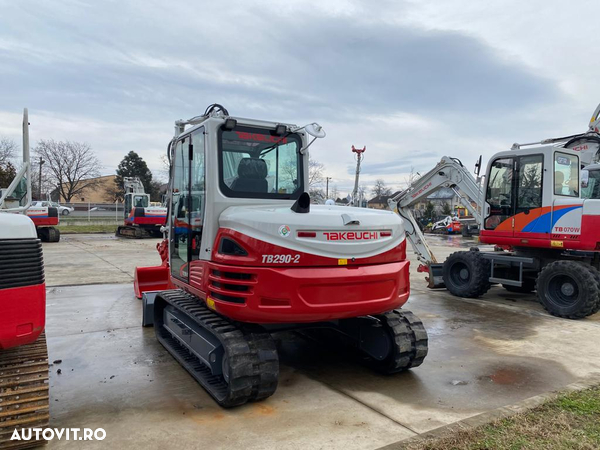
<point>500,197</point>
<point>528,199</point>
<point>187,203</point>
<point>178,244</point>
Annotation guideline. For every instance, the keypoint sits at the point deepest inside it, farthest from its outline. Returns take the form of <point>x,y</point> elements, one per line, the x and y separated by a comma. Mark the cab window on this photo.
<point>530,183</point>
<point>566,175</point>
<point>140,201</point>
<point>499,192</point>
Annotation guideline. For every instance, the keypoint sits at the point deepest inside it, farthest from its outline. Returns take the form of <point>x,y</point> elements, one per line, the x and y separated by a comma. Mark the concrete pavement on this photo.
<point>484,354</point>
<point>96,258</point>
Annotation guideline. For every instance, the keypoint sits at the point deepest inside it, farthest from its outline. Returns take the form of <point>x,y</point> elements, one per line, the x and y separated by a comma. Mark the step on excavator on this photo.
<point>23,353</point>
<point>141,219</point>
<point>247,254</point>
<point>540,210</point>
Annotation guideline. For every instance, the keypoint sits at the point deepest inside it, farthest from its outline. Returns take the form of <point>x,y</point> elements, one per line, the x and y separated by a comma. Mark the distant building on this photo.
<point>444,196</point>
<point>100,193</point>
<point>381,201</point>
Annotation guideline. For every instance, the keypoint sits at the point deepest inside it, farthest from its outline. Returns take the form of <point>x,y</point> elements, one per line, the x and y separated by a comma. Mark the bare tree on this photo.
<point>334,192</point>
<point>70,166</point>
<point>362,192</point>
<point>315,172</point>
<point>411,178</point>
<point>165,169</point>
<point>8,148</point>
<point>380,189</point>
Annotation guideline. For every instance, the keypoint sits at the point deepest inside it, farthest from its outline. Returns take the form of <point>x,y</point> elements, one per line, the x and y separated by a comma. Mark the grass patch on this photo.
<point>81,229</point>
<point>571,421</point>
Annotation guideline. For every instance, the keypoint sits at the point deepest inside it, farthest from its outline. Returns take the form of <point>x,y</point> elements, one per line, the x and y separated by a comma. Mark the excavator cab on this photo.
<point>135,201</point>
<point>532,195</point>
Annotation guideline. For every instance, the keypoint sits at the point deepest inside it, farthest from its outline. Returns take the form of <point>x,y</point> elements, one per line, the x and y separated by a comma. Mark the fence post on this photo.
<point>89,212</point>
<point>117,211</point>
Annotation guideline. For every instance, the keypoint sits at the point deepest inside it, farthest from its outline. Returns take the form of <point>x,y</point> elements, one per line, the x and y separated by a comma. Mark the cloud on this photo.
<point>117,74</point>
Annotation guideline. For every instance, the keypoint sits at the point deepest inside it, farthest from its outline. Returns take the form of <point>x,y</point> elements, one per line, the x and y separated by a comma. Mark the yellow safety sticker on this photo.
<point>342,262</point>
<point>557,244</point>
<point>210,303</point>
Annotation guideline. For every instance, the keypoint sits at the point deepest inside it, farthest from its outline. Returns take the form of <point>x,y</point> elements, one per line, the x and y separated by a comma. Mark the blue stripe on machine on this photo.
<point>545,222</point>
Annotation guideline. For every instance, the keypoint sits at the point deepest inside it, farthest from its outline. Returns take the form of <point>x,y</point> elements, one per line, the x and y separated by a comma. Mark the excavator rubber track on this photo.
<point>132,232</point>
<point>409,338</point>
<point>24,397</point>
<point>252,364</point>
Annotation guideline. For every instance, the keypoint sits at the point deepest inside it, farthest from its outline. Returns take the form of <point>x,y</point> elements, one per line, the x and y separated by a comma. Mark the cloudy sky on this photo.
<point>411,80</point>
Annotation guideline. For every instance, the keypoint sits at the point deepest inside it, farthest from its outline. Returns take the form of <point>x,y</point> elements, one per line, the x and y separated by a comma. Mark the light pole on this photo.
<point>40,180</point>
<point>327,187</point>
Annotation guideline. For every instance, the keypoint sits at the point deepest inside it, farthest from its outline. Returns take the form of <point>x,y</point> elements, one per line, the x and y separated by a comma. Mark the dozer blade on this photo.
<point>435,278</point>
<point>24,400</point>
<point>147,279</point>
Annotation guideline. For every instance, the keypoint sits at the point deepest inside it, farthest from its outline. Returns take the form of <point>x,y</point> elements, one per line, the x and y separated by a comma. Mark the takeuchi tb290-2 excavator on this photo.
<point>540,210</point>
<point>23,353</point>
<point>247,254</point>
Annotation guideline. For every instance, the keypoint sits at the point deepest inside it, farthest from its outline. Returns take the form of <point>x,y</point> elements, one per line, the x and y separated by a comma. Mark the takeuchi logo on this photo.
<point>284,231</point>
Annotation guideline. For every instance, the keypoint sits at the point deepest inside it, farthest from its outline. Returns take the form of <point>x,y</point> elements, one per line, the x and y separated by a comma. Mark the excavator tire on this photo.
<point>596,273</point>
<point>409,342</point>
<point>24,398</point>
<point>569,289</point>
<point>246,356</point>
<point>466,274</point>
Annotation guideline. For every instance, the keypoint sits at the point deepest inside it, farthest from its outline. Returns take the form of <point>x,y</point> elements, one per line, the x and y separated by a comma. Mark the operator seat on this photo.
<point>252,176</point>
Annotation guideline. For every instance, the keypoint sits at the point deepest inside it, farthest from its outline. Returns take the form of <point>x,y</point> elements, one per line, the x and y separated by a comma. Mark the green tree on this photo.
<point>7,174</point>
<point>446,210</point>
<point>429,211</point>
<point>132,165</point>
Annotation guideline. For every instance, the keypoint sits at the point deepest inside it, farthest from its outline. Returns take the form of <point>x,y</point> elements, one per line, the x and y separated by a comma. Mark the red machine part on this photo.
<point>316,288</point>
<point>155,278</point>
<point>145,220</point>
<point>23,315</point>
<point>44,221</point>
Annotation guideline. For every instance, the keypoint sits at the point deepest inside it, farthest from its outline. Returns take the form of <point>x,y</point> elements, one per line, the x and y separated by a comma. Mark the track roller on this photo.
<point>234,363</point>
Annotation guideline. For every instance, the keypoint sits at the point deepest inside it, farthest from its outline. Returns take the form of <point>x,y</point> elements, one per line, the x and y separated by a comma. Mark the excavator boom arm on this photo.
<point>448,173</point>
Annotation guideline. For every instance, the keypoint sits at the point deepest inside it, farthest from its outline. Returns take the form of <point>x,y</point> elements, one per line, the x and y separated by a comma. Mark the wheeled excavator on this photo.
<point>23,352</point>
<point>531,206</point>
<point>247,254</point>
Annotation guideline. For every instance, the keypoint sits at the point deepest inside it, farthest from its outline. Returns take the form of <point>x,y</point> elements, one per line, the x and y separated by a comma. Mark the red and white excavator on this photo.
<point>531,205</point>
<point>141,219</point>
<point>247,254</point>
<point>44,217</point>
<point>23,353</point>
